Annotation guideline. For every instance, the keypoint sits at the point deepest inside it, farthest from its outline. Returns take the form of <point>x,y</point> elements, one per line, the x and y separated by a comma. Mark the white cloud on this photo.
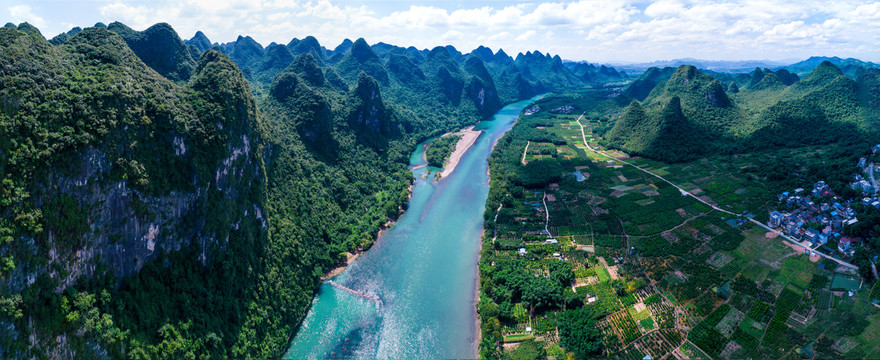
<point>500,36</point>
<point>526,35</point>
<point>626,29</point>
<point>664,8</point>
<point>451,35</point>
<point>24,13</point>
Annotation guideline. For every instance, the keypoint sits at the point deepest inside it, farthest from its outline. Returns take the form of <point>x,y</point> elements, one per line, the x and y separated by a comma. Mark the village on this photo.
<point>817,217</point>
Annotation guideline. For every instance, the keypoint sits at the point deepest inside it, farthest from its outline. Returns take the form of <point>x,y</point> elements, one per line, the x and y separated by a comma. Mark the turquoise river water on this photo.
<point>418,282</point>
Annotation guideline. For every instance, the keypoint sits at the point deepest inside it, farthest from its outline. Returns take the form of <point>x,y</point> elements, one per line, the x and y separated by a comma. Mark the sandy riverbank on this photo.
<point>339,269</point>
<point>468,138</point>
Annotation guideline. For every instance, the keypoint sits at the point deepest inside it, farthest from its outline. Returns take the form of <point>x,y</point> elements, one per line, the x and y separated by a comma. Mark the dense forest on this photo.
<point>164,198</point>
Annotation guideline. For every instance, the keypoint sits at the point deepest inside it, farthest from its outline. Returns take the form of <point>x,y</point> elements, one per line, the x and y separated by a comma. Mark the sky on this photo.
<point>606,31</point>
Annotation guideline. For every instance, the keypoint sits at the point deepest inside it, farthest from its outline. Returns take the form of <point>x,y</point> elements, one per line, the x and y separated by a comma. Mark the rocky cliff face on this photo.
<point>369,111</point>
<point>122,172</point>
<point>481,88</point>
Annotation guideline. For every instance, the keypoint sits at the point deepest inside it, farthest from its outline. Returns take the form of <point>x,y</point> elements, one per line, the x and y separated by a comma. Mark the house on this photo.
<point>791,228</point>
<point>812,236</point>
<point>783,196</point>
<point>522,251</point>
<point>845,244</point>
<point>875,149</point>
<point>775,219</point>
<point>551,241</point>
<point>837,224</point>
<point>798,190</point>
<point>822,240</point>
<point>862,162</point>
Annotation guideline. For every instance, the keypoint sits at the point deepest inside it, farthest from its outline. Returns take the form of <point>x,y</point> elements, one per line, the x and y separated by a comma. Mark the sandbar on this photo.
<point>468,138</point>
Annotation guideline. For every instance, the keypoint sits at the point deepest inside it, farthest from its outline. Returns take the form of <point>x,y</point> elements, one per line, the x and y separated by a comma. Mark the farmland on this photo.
<point>660,273</point>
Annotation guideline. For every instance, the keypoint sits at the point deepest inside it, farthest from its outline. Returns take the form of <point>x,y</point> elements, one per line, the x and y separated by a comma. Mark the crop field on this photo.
<point>666,275</point>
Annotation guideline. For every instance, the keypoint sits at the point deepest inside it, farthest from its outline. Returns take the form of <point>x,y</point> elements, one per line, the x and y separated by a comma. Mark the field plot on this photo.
<point>663,274</point>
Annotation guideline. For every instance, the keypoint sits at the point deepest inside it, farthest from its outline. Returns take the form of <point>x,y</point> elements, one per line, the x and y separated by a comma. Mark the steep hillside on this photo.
<point>160,48</point>
<point>246,52</point>
<point>775,109</point>
<point>276,59</point>
<point>121,180</point>
<point>645,83</point>
<point>546,70</point>
<point>200,41</point>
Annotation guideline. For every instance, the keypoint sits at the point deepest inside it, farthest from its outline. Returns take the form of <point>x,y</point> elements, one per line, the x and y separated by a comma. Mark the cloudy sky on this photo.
<point>593,30</point>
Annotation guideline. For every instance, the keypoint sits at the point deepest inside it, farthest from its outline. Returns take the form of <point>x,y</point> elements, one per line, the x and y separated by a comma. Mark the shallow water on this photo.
<point>423,271</point>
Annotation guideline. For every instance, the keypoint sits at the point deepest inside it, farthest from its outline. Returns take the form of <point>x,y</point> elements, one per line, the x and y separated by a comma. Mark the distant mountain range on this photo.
<point>849,66</point>
<point>711,65</point>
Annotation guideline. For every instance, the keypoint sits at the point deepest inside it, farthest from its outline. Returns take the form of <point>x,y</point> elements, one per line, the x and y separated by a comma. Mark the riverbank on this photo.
<point>468,138</point>
<point>432,249</point>
<point>352,255</point>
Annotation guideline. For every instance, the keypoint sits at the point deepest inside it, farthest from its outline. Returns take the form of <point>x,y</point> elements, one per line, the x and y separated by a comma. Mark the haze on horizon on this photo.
<point>594,30</point>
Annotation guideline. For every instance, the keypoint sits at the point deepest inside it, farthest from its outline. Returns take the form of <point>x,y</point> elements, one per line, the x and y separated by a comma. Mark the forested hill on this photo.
<point>763,110</point>
<point>164,198</point>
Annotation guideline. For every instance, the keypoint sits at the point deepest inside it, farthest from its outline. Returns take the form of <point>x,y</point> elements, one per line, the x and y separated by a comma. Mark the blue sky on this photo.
<point>592,30</point>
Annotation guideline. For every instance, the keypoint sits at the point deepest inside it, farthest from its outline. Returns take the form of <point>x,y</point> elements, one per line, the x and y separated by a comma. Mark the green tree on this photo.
<point>578,332</point>
<point>561,273</point>
<point>540,293</point>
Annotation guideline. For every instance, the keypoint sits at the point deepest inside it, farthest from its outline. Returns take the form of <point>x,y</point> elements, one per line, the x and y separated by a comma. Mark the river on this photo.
<point>423,271</point>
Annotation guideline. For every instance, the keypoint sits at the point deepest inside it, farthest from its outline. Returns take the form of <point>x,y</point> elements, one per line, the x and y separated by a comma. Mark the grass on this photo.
<point>639,316</point>
<point>871,334</point>
<point>693,352</point>
<point>602,273</point>
<point>843,282</point>
<point>749,327</point>
<point>518,338</point>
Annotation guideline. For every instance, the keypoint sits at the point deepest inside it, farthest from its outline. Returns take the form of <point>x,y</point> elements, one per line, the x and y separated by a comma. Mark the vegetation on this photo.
<point>578,332</point>
<point>648,262</point>
<point>438,151</point>
<point>213,186</point>
<point>688,114</point>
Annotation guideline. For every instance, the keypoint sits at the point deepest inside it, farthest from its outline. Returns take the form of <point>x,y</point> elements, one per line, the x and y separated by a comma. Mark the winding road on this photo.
<point>686,193</point>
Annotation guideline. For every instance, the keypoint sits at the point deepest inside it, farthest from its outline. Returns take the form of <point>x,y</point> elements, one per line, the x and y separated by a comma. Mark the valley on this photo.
<point>173,198</point>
